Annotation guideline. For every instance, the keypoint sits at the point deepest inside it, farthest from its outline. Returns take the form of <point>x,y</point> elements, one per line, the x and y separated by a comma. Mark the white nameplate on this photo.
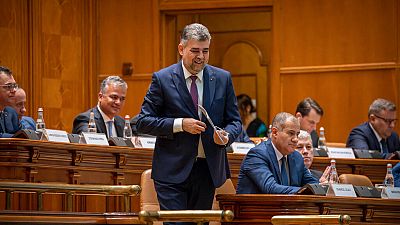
<point>241,147</point>
<point>341,153</point>
<point>342,190</point>
<point>391,192</point>
<point>56,136</point>
<point>94,138</point>
<point>147,142</point>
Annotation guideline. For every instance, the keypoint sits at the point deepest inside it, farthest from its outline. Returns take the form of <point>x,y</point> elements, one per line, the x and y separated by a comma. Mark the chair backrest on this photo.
<point>148,196</point>
<point>355,179</point>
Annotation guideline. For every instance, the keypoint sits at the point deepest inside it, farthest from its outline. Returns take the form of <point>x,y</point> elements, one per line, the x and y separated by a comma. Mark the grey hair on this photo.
<point>116,80</point>
<point>195,31</point>
<point>304,135</point>
<point>281,118</point>
<point>381,104</point>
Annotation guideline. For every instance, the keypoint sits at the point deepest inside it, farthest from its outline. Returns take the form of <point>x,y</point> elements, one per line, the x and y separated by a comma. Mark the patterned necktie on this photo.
<point>284,175</point>
<point>110,126</point>
<point>193,91</point>
<point>384,146</point>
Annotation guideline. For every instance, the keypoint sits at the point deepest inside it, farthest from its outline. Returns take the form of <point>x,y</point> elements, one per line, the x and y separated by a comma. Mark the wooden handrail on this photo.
<point>314,219</point>
<point>69,189</point>
<point>197,216</point>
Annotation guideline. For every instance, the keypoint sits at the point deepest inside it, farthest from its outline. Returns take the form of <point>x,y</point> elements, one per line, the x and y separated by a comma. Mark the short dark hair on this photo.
<point>244,101</point>
<point>305,106</point>
<point>5,70</point>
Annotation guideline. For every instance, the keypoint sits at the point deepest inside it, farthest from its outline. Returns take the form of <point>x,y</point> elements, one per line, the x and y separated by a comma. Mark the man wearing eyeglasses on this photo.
<point>377,133</point>
<point>274,166</point>
<point>111,100</point>
<point>9,123</point>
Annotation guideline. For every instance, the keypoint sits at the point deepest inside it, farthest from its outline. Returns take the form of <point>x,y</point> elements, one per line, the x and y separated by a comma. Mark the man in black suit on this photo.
<point>378,133</point>
<point>309,113</point>
<point>111,100</point>
<point>9,123</point>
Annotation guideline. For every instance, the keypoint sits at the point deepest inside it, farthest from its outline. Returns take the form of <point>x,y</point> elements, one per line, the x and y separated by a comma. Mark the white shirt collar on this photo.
<point>105,117</point>
<point>187,74</point>
<point>376,133</point>
<point>278,154</point>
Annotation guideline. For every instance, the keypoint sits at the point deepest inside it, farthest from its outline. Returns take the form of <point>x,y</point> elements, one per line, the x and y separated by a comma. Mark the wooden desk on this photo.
<point>39,161</point>
<point>259,208</point>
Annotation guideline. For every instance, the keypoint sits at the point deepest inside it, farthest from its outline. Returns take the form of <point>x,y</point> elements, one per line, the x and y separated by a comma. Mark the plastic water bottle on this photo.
<point>333,176</point>
<point>322,140</point>
<point>389,180</point>
<point>127,128</point>
<point>92,124</point>
<point>40,125</point>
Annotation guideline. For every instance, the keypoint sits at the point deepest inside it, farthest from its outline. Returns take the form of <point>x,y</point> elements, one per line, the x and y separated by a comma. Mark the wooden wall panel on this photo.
<point>342,53</point>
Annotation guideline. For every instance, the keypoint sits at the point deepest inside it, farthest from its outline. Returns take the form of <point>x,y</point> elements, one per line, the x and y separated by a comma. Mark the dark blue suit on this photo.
<point>27,123</point>
<point>175,154</point>
<point>260,174</point>
<point>363,137</point>
<point>82,120</point>
<point>9,123</point>
<point>396,175</point>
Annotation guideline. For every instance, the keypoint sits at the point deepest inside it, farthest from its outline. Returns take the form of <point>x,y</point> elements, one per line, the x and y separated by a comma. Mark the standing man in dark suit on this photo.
<point>309,113</point>
<point>377,133</point>
<point>9,123</point>
<point>190,159</point>
<point>111,101</point>
<point>274,167</point>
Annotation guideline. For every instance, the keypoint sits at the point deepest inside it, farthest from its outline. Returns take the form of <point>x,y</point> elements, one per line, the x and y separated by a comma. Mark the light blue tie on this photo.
<point>284,175</point>
<point>110,126</point>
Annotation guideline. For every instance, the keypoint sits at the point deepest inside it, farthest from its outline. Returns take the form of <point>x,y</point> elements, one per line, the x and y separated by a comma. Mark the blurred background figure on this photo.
<point>253,125</point>
<point>18,103</point>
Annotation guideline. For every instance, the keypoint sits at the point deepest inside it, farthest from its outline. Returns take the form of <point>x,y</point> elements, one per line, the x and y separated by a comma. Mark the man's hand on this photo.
<point>193,126</point>
<point>325,176</point>
<point>221,137</point>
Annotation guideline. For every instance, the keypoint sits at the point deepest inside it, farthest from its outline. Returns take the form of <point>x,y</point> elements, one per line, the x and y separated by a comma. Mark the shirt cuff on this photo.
<point>178,125</point>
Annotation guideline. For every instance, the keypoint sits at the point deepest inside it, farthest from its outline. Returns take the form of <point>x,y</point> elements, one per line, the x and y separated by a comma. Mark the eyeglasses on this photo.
<point>388,121</point>
<point>10,87</point>
<point>116,97</point>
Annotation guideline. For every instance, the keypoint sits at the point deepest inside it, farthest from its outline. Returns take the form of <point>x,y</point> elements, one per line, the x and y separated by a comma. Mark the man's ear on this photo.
<point>180,49</point>
<point>274,131</point>
<point>298,115</point>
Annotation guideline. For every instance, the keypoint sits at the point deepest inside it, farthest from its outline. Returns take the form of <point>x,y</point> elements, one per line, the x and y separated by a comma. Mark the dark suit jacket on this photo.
<point>9,123</point>
<point>81,123</point>
<point>260,174</point>
<point>396,175</point>
<point>363,137</point>
<point>314,138</point>
<point>316,173</point>
<point>27,123</point>
<point>168,98</point>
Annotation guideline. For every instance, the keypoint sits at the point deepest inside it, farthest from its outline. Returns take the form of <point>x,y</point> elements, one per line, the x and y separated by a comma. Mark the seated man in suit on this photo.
<point>111,100</point>
<point>396,175</point>
<point>274,167</point>
<point>309,113</point>
<point>9,123</point>
<point>18,103</point>
<point>304,147</point>
<point>377,133</point>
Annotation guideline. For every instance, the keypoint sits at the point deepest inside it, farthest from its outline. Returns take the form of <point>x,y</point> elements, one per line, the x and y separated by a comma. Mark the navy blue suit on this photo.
<point>260,174</point>
<point>363,137</point>
<point>175,154</point>
<point>396,175</point>
<point>27,123</point>
<point>9,123</point>
<point>82,120</point>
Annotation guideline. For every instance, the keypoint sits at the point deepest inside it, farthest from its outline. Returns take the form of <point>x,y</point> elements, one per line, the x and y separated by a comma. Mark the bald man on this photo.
<point>18,103</point>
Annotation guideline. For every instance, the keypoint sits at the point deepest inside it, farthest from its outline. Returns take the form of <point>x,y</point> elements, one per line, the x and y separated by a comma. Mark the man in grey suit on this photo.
<point>111,101</point>
<point>274,166</point>
<point>189,159</point>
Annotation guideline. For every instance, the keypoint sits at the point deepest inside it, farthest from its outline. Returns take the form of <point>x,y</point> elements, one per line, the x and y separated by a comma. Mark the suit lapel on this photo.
<point>180,84</point>
<point>209,87</point>
<point>377,145</point>
<point>100,125</point>
<point>3,128</point>
<point>119,125</point>
<point>272,155</point>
